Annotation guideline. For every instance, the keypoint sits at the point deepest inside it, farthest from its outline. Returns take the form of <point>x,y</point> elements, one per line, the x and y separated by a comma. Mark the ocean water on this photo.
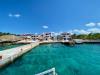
<point>83,59</point>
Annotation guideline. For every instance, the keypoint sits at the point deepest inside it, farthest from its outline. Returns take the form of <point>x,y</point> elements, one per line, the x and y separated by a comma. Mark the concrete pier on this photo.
<point>79,41</point>
<point>9,55</point>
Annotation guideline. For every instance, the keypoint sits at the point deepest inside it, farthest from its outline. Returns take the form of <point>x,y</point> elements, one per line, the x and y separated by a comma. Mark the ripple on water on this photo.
<point>81,59</point>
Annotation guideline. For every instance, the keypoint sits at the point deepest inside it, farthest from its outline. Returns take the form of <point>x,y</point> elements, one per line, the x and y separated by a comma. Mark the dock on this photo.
<point>91,41</point>
<point>9,55</point>
<point>80,41</point>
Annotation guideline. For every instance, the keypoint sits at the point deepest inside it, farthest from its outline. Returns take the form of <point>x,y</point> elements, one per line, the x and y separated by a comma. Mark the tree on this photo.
<point>91,36</point>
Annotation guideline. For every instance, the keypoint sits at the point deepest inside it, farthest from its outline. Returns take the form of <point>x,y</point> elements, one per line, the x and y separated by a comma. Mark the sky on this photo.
<point>37,16</point>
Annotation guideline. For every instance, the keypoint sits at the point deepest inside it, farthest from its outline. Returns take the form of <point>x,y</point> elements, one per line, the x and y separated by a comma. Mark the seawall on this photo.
<point>9,55</point>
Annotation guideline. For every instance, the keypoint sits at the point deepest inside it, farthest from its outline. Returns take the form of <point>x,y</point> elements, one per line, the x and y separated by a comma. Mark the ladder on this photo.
<point>48,72</point>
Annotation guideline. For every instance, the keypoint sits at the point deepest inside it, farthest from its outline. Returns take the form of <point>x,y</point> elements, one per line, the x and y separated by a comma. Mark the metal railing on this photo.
<point>48,72</point>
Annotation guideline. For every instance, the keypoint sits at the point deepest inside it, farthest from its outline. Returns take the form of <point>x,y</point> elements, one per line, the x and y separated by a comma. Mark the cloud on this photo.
<point>71,32</point>
<point>45,27</point>
<point>82,31</point>
<point>14,15</point>
<point>98,24</point>
<point>17,15</point>
<point>10,15</point>
<point>91,24</point>
<point>94,30</point>
<point>78,31</point>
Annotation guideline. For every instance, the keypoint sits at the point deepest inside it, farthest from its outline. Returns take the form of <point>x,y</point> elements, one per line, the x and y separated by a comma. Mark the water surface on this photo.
<point>83,59</point>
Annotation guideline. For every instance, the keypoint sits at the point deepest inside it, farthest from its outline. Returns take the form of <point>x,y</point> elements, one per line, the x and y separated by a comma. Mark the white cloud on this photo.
<point>45,27</point>
<point>79,31</point>
<point>36,33</point>
<point>76,30</point>
<point>94,30</point>
<point>91,24</point>
<point>10,15</point>
<point>82,31</point>
<point>56,34</point>
<point>98,24</point>
<point>71,32</point>
<point>14,15</point>
<point>17,15</point>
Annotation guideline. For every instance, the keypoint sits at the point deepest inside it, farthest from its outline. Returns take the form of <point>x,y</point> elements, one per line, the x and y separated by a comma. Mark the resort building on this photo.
<point>27,38</point>
<point>50,36</point>
<point>35,37</point>
<point>66,36</point>
<point>46,36</point>
<point>54,37</point>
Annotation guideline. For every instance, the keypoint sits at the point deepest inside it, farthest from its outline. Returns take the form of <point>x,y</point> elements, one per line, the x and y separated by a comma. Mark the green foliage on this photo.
<point>2,33</point>
<point>87,36</point>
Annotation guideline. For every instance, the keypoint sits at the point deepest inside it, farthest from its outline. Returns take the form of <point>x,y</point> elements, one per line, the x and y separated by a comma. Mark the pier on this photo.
<point>9,55</point>
<point>79,41</point>
<point>91,41</point>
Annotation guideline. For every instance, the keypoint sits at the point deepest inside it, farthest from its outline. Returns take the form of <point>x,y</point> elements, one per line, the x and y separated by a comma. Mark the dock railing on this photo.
<point>10,55</point>
<point>48,72</point>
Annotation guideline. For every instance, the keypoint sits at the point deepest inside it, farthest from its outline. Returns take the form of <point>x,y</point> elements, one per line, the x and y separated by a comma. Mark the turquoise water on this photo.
<point>9,46</point>
<point>83,59</point>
